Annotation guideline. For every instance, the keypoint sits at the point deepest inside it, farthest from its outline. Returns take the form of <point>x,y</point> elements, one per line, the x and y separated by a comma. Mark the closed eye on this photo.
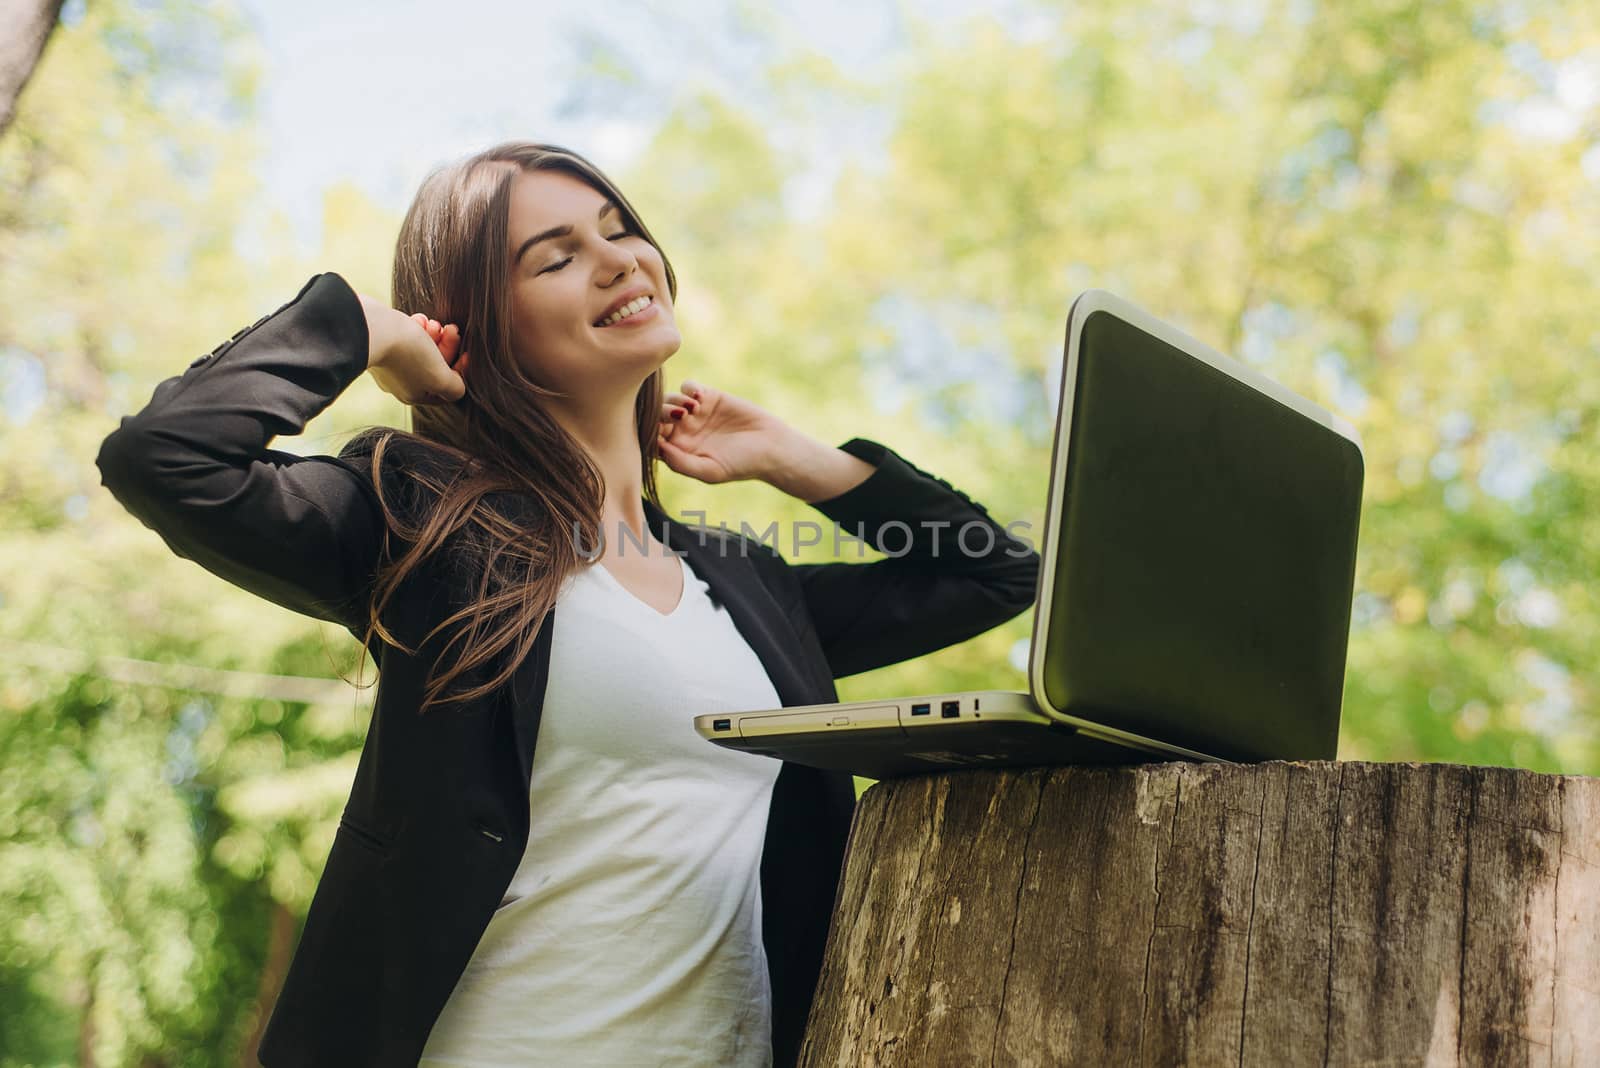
<point>562,263</point>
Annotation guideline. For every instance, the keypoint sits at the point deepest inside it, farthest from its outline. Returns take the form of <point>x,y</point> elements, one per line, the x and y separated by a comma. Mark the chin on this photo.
<point>668,347</point>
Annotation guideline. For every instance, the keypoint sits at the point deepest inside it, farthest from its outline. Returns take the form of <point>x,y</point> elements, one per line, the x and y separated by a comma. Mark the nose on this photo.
<point>621,262</point>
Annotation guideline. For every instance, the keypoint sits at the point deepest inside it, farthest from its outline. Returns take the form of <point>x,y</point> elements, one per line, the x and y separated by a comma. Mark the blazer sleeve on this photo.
<point>952,572</point>
<point>194,465</point>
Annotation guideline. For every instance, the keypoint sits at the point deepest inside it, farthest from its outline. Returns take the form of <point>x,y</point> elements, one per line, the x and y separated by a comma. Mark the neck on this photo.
<point>611,438</point>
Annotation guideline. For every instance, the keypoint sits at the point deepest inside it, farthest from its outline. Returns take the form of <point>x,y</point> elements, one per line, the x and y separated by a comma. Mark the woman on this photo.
<point>622,892</point>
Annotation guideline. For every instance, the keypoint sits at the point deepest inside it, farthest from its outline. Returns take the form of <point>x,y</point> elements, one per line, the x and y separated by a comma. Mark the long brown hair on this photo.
<point>452,261</point>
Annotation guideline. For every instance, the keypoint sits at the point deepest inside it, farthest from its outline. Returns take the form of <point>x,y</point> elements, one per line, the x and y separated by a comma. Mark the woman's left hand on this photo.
<point>715,436</point>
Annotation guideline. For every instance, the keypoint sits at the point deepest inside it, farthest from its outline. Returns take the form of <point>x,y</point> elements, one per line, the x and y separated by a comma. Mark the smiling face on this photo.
<point>575,265</point>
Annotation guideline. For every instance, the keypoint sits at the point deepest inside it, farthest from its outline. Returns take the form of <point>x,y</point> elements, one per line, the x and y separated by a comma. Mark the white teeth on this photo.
<point>637,305</point>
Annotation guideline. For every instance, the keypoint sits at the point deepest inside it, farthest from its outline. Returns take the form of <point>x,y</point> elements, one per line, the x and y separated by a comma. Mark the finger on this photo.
<point>693,389</point>
<point>449,342</point>
<point>685,462</point>
<point>422,320</point>
<point>683,400</point>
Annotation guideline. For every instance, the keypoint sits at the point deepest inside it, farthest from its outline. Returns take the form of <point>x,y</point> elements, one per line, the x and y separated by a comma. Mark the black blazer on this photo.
<point>438,815</point>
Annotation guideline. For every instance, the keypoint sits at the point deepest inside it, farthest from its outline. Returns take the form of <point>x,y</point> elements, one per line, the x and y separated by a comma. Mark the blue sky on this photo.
<point>378,96</point>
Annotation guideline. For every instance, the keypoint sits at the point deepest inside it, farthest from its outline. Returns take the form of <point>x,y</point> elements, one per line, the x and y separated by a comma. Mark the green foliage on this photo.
<point>1384,206</point>
<point>132,927</point>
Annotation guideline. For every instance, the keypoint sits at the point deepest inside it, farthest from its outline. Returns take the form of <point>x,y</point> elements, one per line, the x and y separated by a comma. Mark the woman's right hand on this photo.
<point>411,356</point>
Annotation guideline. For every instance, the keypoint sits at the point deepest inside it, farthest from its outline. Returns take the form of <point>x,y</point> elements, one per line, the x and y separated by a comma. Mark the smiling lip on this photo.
<point>644,315</point>
<point>626,298</point>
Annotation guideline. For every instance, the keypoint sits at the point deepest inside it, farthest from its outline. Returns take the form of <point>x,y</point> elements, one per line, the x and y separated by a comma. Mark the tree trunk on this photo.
<point>27,27</point>
<point>1258,914</point>
<point>281,932</point>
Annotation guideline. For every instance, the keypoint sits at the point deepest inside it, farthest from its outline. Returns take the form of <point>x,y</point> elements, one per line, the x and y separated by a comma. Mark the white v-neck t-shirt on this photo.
<point>631,932</point>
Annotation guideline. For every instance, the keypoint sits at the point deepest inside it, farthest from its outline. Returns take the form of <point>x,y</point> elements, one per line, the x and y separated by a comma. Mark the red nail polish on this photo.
<point>677,413</point>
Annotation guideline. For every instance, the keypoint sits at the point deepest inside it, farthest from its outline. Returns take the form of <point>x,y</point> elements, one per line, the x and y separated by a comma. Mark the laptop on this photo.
<point>1197,567</point>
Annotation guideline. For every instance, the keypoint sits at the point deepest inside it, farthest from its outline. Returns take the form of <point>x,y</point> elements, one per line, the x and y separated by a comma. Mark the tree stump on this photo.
<point>1257,914</point>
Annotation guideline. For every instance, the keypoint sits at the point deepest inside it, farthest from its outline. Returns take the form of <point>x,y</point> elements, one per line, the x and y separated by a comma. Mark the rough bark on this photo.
<point>27,27</point>
<point>1267,914</point>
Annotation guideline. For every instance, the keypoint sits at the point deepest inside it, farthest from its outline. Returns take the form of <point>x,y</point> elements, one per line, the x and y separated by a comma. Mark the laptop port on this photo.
<point>950,709</point>
<point>722,724</point>
<point>921,710</point>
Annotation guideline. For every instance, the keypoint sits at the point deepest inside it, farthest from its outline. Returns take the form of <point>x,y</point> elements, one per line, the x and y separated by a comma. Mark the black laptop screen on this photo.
<point>1205,556</point>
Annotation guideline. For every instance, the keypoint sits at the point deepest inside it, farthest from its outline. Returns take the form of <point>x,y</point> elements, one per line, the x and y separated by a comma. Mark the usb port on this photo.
<point>722,724</point>
<point>950,709</point>
<point>920,710</point>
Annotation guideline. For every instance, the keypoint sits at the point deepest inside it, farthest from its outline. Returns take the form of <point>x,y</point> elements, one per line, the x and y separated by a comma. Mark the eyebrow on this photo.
<point>556,231</point>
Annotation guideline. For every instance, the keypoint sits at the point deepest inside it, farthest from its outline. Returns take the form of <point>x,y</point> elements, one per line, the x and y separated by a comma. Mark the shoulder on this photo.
<point>411,470</point>
<point>415,474</point>
<point>766,564</point>
<point>405,448</point>
<point>727,542</point>
<point>402,454</point>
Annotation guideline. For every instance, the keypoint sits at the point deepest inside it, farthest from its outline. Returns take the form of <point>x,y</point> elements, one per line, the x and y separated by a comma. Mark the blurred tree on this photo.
<point>1391,208</point>
<point>157,842</point>
<point>30,22</point>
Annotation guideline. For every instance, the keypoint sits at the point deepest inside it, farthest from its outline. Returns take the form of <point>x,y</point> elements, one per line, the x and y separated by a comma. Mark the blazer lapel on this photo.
<point>734,584</point>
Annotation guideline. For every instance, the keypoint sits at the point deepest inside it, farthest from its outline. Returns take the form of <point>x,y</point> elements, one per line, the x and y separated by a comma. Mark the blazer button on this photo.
<point>246,329</point>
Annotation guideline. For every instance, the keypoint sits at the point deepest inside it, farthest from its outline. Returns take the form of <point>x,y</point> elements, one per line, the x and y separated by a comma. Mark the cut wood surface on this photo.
<point>1256,914</point>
